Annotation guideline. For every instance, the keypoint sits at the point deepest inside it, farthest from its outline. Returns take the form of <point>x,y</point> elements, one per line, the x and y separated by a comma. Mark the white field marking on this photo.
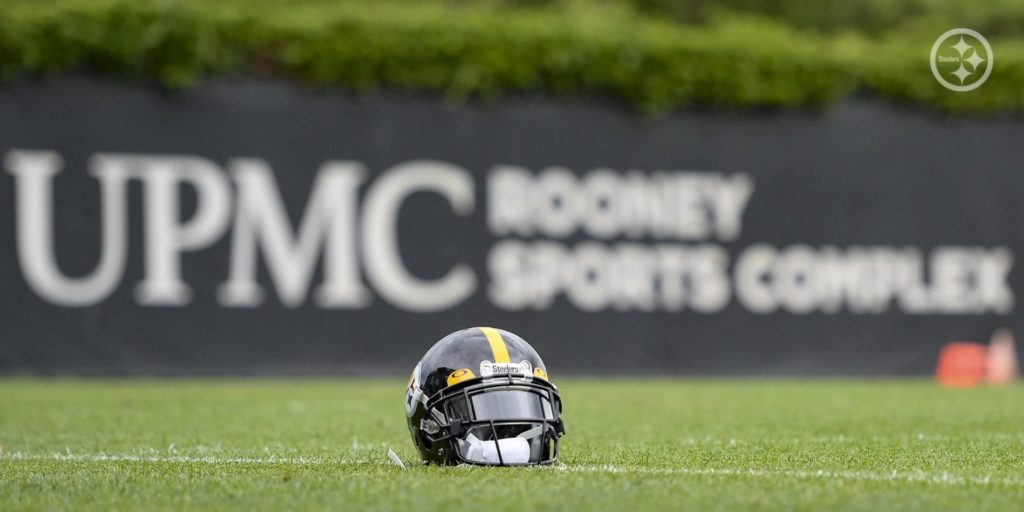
<point>840,439</point>
<point>943,478</point>
<point>918,476</point>
<point>187,459</point>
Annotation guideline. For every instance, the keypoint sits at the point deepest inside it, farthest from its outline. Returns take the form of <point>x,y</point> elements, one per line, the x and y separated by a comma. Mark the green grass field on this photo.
<point>631,445</point>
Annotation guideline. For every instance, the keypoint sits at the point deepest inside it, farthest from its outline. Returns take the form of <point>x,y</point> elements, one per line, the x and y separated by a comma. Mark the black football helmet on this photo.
<point>482,396</point>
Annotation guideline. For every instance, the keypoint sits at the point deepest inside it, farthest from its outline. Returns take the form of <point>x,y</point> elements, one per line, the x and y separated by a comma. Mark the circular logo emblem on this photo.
<point>486,368</point>
<point>961,59</point>
<point>526,369</point>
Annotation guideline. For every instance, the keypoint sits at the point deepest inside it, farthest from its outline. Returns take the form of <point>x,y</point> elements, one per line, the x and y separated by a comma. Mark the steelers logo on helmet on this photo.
<point>506,412</point>
<point>522,369</point>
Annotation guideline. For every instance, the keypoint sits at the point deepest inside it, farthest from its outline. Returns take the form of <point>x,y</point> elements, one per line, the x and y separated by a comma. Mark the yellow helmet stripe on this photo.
<point>497,344</point>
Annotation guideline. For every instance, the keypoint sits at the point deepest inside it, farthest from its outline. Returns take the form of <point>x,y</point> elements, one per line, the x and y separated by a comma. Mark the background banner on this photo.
<point>256,228</point>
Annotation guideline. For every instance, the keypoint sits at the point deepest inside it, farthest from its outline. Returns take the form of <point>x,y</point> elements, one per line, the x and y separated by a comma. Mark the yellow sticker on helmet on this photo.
<point>460,375</point>
<point>540,373</point>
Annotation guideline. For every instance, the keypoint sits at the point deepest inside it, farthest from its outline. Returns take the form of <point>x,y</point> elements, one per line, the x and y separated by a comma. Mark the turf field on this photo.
<point>631,445</point>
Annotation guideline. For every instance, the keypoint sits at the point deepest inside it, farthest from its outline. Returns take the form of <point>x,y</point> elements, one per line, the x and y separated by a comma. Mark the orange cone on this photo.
<point>1001,367</point>
<point>962,365</point>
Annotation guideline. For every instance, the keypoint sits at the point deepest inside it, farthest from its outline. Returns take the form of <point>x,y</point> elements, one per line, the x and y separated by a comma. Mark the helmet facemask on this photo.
<point>498,421</point>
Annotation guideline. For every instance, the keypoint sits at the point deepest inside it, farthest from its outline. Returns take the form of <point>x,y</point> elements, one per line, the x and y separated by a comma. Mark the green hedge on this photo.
<point>991,17</point>
<point>588,50</point>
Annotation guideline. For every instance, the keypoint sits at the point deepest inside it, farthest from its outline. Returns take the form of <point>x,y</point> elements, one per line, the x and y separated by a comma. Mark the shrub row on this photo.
<point>589,50</point>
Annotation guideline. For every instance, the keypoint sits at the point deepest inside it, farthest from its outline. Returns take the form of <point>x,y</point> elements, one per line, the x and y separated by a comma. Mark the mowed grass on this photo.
<point>648,444</point>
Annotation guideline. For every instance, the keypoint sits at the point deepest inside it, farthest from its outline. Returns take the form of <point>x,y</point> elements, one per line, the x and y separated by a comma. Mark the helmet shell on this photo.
<point>460,359</point>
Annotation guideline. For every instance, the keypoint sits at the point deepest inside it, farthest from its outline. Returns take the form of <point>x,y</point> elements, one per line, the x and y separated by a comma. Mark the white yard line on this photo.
<point>925,477</point>
<point>842,439</point>
<point>943,478</point>
<point>188,459</point>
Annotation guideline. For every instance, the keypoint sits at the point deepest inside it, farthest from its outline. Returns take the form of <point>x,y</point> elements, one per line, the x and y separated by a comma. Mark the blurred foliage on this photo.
<point>636,50</point>
<point>991,17</point>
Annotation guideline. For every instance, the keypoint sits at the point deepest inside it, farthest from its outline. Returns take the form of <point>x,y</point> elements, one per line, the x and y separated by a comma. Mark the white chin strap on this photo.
<point>514,450</point>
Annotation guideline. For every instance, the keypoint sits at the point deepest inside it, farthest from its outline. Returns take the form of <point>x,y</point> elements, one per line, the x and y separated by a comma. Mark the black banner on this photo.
<point>259,228</point>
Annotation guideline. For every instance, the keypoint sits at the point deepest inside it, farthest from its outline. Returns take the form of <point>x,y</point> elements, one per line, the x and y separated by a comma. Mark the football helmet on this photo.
<point>482,396</point>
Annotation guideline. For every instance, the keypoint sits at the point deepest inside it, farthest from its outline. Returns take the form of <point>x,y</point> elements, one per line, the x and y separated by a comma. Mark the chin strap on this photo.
<point>532,433</point>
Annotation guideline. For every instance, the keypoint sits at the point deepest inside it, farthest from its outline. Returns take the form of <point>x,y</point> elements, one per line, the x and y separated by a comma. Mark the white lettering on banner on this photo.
<point>603,240</point>
<point>605,204</point>
<point>166,238</point>
<point>384,266</point>
<point>623,277</point>
<point>329,222</point>
<point>34,172</point>
<point>800,279</point>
